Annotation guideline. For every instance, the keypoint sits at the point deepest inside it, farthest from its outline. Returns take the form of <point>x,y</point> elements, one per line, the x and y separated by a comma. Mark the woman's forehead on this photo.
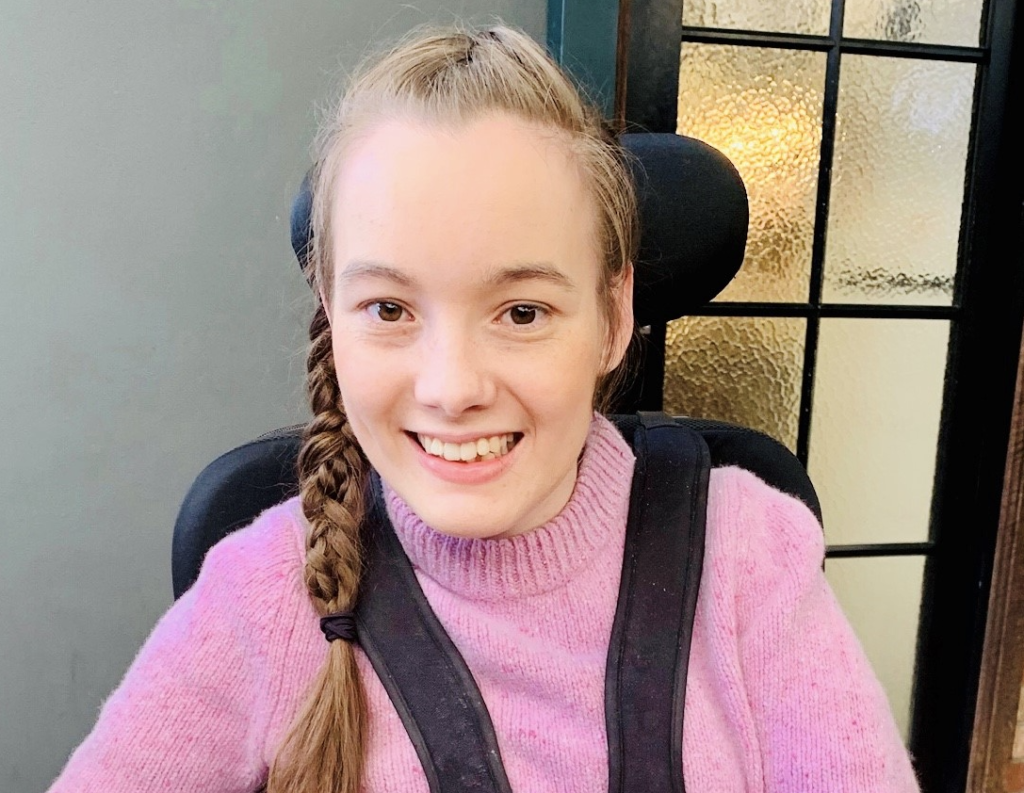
<point>496,190</point>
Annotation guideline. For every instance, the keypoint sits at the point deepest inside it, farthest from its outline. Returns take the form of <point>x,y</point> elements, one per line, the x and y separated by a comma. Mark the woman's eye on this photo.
<point>387,312</point>
<point>523,315</point>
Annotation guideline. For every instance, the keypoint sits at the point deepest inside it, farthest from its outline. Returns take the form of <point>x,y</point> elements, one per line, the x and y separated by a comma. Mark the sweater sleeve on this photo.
<point>192,711</point>
<point>823,721</point>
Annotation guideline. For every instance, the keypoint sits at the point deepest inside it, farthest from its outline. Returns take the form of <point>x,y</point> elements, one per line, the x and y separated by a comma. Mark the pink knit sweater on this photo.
<point>779,695</point>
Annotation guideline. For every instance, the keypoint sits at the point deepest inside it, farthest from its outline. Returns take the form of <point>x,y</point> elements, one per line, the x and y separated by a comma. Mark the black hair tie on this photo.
<point>341,625</point>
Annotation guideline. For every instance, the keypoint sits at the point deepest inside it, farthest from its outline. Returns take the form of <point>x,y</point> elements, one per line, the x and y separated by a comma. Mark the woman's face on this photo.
<point>467,323</point>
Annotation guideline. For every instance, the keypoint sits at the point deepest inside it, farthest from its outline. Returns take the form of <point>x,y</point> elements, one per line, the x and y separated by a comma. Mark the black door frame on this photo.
<point>986,320</point>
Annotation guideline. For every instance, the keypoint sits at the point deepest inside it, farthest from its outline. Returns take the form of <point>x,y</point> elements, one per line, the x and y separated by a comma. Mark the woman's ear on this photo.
<point>621,332</point>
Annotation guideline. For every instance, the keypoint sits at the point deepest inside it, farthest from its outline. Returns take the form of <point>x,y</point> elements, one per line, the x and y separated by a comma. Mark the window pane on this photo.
<point>795,16</point>
<point>898,180</point>
<point>936,22</point>
<point>881,597</point>
<point>762,109</point>
<point>874,427</point>
<point>741,369</point>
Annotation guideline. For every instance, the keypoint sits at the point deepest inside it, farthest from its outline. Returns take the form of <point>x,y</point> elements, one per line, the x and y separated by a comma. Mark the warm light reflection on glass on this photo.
<point>762,109</point>
<point>746,370</point>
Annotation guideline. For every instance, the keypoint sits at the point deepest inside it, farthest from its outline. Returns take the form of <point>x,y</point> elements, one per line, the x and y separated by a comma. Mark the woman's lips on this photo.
<point>476,471</point>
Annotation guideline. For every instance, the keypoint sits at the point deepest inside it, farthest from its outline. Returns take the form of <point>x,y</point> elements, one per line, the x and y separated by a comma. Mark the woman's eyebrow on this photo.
<point>358,268</point>
<point>502,276</point>
<point>533,271</point>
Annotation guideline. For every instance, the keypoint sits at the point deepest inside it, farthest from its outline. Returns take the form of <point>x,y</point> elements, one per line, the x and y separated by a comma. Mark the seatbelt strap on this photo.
<point>433,689</point>
<point>645,683</point>
<point>423,672</point>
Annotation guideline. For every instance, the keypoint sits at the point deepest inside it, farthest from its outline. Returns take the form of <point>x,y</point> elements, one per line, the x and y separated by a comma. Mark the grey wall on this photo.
<point>151,315</point>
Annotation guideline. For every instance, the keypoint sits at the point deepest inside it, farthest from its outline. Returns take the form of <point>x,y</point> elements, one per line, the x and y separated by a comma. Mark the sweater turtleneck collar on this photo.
<point>540,560</point>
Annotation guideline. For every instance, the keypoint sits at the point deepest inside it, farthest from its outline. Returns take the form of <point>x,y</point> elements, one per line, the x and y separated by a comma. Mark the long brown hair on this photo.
<point>447,77</point>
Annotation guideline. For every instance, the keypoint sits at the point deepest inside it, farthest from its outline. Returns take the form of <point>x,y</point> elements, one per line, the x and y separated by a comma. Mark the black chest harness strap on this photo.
<point>645,680</point>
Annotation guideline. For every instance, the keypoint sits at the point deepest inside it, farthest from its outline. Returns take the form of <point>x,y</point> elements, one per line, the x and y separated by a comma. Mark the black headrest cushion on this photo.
<point>693,224</point>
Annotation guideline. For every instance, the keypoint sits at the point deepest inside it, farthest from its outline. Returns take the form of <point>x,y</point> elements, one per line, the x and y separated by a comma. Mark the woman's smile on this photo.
<point>466,463</point>
<point>480,448</point>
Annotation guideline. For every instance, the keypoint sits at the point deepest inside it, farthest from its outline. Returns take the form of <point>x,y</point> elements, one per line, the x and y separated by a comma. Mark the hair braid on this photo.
<point>323,752</point>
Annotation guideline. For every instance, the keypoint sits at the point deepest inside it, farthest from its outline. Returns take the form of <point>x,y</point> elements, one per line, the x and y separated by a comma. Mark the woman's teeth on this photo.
<point>480,449</point>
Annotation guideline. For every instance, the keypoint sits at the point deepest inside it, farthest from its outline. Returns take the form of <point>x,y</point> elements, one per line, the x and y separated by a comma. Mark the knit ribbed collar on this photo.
<point>540,560</point>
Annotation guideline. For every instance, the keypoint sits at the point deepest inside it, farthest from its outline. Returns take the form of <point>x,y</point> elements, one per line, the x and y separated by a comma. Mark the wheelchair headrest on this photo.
<point>693,222</point>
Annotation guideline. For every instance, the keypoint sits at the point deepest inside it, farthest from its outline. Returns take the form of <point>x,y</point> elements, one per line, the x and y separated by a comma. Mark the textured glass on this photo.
<point>874,427</point>
<point>762,108</point>
<point>881,597</point>
<point>741,369</point>
<point>927,21</point>
<point>898,180</point>
<point>794,16</point>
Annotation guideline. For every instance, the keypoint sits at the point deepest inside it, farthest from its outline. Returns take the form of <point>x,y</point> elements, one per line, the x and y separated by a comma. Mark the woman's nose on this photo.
<point>453,373</point>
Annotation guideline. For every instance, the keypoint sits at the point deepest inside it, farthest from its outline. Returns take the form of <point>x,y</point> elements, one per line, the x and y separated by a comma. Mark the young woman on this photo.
<point>474,228</point>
